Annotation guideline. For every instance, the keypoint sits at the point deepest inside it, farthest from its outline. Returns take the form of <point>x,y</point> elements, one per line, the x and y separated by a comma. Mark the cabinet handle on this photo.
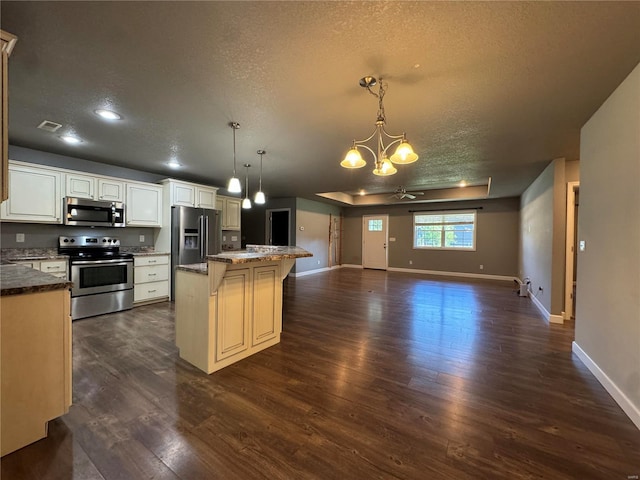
<point>150,291</point>
<point>152,261</point>
<point>152,274</point>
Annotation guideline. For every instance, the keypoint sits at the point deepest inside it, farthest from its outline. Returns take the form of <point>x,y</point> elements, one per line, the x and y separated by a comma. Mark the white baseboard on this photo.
<point>632,411</point>
<point>549,317</point>
<point>453,274</point>
<point>351,265</point>
<point>311,272</point>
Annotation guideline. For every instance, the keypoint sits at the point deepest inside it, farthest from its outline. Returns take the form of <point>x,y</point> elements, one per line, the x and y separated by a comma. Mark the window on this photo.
<point>445,231</point>
<point>375,225</point>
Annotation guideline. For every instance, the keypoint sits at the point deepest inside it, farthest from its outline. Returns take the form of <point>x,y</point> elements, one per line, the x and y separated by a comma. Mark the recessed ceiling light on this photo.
<point>108,114</point>
<point>71,139</point>
<point>174,164</point>
<point>462,183</point>
<point>362,192</point>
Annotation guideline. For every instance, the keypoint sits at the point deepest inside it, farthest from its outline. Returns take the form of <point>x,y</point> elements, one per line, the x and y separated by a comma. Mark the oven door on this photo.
<point>100,276</point>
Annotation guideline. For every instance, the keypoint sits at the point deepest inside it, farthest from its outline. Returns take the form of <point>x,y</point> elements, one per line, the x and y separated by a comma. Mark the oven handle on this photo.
<point>101,262</point>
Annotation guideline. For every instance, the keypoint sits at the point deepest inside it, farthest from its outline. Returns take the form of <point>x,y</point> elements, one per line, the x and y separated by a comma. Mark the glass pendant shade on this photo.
<point>260,198</point>
<point>353,159</point>
<point>404,154</point>
<point>234,185</point>
<point>385,168</point>
<point>246,203</point>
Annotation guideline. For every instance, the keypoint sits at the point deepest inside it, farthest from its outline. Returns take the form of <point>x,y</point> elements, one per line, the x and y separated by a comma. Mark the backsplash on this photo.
<point>46,236</point>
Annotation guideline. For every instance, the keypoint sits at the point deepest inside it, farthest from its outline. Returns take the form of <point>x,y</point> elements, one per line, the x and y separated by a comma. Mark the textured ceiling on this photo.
<point>483,89</point>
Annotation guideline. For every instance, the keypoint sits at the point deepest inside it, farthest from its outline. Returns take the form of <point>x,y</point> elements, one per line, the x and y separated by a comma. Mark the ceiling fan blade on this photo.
<point>416,193</point>
<point>409,196</point>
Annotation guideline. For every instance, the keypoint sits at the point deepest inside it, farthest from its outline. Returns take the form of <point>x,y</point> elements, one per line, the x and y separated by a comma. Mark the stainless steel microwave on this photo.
<point>81,211</point>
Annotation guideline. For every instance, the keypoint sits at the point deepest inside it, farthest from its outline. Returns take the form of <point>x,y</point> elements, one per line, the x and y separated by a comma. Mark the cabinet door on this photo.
<point>80,186</point>
<point>35,195</point>
<point>267,304</point>
<point>144,205</point>
<point>232,319</point>
<point>7,42</point>
<point>111,190</point>
<point>232,213</point>
<point>206,197</point>
<point>57,268</point>
<point>183,195</point>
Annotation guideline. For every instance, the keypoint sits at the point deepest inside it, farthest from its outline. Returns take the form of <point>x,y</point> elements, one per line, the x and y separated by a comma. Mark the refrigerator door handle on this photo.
<point>206,237</point>
<point>201,235</point>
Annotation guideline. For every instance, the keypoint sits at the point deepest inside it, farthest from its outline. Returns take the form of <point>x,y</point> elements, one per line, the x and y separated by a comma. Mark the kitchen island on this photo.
<point>35,333</point>
<point>231,307</point>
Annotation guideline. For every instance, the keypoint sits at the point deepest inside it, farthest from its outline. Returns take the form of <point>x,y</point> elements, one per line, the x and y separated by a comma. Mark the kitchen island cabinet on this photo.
<point>35,337</point>
<point>231,307</point>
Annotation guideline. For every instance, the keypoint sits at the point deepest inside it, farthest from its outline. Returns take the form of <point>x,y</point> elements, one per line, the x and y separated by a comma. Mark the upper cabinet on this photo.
<point>231,208</point>
<point>80,185</point>
<point>7,42</point>
<point>36,195</point>
<point>186,194</point>
<point>143,205</point>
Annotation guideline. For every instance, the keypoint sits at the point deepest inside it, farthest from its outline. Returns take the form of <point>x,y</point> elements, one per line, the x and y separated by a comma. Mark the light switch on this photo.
<point>582,245</point>
<point>234,238</point>
<point>19,237</point>
<point>224,238</point>
<point>392,239</point>
<point>141,238</point>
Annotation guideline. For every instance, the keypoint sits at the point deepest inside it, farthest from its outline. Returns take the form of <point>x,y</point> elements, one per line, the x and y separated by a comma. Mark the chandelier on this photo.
<point>384,165</point>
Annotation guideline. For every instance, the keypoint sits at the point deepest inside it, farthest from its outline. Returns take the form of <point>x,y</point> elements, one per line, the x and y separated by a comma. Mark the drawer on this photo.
<point>150,273</point>
<point>150,291</point>
<point>151,260</point>
<point>56,266</point>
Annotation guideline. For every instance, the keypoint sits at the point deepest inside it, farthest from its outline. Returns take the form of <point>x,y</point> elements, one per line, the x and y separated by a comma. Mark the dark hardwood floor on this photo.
<point>378,375</point>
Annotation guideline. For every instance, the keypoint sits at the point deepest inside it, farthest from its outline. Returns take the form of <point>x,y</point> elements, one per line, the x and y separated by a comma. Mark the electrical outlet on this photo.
<point>224,238</point>
<point>481,267</point>
<point>410,262</point>
<point>19,237</point>
<point>141,238</point>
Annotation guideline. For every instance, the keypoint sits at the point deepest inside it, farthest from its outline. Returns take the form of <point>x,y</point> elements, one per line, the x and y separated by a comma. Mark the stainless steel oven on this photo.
<point>102,276</point>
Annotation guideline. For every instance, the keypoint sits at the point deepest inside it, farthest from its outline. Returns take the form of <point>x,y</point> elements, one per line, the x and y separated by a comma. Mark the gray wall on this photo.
<point>53,160</point>
<point>608,285</point>
<point>46,236</point>
<point>543,217</point>
<point>496,238</point>
<point>312,233</point>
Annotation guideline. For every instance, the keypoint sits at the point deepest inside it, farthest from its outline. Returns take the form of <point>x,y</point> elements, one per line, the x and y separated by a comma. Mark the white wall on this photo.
<point>608,285</point>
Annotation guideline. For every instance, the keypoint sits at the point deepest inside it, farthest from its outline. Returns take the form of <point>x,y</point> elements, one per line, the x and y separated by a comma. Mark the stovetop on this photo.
<point>91,248</point>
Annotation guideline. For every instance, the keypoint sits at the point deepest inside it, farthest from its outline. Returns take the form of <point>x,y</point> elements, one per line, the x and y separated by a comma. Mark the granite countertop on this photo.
<point>18,279</point>
<point>142,253</point>
<point>201,268</point>
<point>20,254</point>
<point>260,253</point>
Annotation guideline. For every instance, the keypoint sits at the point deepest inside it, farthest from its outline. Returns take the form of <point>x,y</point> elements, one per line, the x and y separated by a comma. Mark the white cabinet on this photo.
<point>231,208</point>
<point>110,190</point>
<point>150,278</point>
<point>143,205</point>
<point>80,186</point>
<point>35,195</point>
<point>186,194</point>
<point>57,268</point>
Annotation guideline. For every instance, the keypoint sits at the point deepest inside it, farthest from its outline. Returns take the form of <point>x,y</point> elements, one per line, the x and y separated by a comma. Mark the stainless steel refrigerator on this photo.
<point>195,233</point>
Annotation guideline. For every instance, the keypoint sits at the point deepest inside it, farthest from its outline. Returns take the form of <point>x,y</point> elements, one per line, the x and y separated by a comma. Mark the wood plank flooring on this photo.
<point>378,376</point>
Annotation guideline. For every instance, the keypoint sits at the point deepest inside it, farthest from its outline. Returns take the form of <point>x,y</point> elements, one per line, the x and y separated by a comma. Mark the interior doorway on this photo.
<point>375,234</point>
<point>279,226</point>
<point>571,257</point>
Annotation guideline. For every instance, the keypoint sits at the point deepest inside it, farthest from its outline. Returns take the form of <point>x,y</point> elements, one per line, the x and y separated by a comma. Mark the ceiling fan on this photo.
<point>401,193</point>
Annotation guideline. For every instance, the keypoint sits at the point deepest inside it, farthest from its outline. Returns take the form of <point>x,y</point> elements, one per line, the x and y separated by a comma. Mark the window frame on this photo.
<point>445,213</point>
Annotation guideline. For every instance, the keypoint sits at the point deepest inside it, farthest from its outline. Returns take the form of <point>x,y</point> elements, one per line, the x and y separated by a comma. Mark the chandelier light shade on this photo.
<point>383,165</point>
<point>260,198</point>
<point>234,183</point>
<point>246,203</point>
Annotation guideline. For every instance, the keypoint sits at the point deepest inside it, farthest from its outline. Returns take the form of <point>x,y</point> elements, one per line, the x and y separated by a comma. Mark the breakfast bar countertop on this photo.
<point>18,279</point>
<point>260,253</point>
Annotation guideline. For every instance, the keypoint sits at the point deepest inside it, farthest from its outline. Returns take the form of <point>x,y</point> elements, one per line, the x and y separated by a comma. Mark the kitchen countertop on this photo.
<point>260,253</point>
<point>18,279</point>
<point>201,268</point>
<point>26,254</point>
<point>142,254</point>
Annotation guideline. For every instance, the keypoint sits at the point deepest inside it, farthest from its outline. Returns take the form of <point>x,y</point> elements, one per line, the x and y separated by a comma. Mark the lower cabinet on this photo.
<point>57,268</point>
<point>35,337</point>
<point>150,278</point>
<point>229,314</point>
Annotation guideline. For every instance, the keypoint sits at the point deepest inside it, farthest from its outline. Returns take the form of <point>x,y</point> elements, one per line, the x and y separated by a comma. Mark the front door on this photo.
<point>374,241</point>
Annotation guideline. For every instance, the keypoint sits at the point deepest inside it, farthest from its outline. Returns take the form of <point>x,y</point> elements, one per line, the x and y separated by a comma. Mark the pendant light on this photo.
<point>246,203</point>
<point>234,182</point>
<point>260,198</point>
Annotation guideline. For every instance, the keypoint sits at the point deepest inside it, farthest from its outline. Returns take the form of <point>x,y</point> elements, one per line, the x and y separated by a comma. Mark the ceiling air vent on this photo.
<point>49,126</point>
